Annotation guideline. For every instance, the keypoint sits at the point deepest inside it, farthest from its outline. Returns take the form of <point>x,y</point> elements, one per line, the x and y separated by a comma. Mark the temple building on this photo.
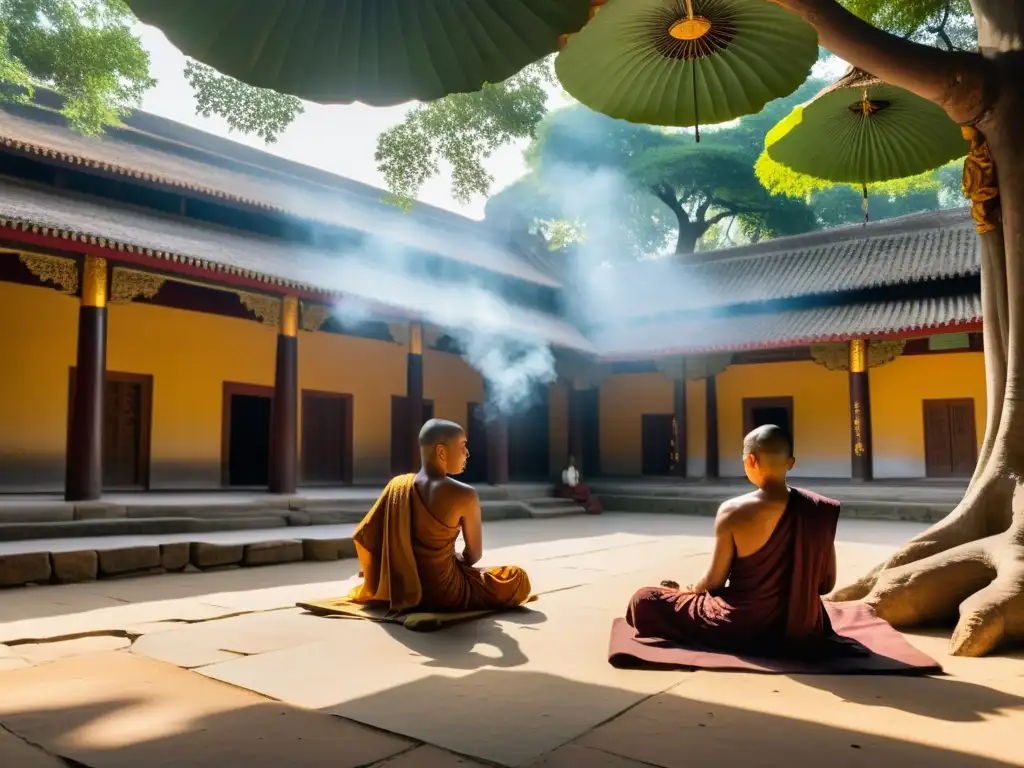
<point>184,312</point>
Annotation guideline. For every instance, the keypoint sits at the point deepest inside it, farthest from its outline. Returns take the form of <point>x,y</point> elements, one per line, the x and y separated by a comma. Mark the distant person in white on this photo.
<point>571,475</point>
<point>573,488</point>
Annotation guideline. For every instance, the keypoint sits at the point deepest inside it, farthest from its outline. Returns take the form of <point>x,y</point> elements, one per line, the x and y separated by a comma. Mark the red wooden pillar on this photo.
<point>83,480</point>
<point>679,391</point>
<point>860,412</point>
<point>711,411</point>
<point>284,415</point>
<point>414,393</point>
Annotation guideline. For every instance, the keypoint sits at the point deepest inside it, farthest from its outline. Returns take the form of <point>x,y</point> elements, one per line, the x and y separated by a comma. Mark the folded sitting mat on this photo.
<point>867,645</point>
<point>418,621</point>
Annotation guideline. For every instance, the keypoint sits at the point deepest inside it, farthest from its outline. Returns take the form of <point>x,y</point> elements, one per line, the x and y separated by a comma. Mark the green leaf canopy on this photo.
<point>652,61</point>
<point>862,131</point>
<point>379,52</point>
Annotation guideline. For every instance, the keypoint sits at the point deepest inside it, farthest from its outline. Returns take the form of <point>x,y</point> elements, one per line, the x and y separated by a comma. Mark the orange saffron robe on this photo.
<point>408,560</point>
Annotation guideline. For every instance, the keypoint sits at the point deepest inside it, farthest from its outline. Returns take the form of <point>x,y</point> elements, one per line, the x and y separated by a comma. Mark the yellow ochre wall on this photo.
<point>38,342</point>
<point>190,355</point>
<point>897,410</point>
<point>821,426</point>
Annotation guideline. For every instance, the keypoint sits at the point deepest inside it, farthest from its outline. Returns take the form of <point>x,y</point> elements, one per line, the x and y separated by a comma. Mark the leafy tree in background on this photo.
<point>86,51</point>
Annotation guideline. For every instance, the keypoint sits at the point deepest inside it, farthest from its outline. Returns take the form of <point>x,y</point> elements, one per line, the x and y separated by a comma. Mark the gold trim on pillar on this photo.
<point>60,271</point>
<point>126,285</point>
<point>416,338</point>
<point>290,316</point>
<point>858,356</point>
<point>94,282</point>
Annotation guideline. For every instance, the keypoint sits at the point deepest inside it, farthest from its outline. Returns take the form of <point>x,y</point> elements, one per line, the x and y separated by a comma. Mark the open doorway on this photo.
<point>245,451</point>
<point>656,442</point>
<point>476,435</point>
<point>759,411</point>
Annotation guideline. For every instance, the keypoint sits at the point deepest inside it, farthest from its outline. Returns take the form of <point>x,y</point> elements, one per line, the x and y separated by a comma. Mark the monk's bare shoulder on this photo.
<point>457,494</point>
<point>739,509</point>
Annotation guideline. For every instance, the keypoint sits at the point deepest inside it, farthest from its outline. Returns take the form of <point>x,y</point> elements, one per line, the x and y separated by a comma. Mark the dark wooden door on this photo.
<point>122,434</point>
<point>400,431</point>
<point>759,411</point>
<point>127,415</point>
<point>656,435</point>
<point>476,434</point>
<point>326,438</point>
<point>950,438</point>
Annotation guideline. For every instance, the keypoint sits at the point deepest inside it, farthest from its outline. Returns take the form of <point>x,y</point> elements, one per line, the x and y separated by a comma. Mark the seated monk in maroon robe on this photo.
<point>774,557</point>
<point>406,542</point>
<point>574,488</point>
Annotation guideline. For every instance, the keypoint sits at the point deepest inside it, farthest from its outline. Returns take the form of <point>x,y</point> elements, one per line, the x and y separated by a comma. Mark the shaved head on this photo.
<point>770,444</point>
<point>439,432</point>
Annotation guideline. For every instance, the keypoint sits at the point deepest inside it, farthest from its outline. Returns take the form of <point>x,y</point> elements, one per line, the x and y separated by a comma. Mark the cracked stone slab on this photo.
<point>427,756</point>
<point>835,720</point>
<point>19,754</point>
<point>512,690</point>
<point>123,711</point>
<point>44,653</point>
<point>574,756</point>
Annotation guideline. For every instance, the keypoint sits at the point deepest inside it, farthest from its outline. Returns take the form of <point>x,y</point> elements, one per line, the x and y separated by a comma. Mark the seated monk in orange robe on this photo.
<point>574,488</point>
<point>774,557</point>
<point>406,542</point>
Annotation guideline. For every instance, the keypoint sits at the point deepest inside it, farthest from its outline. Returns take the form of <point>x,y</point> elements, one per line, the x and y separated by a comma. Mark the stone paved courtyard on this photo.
<point>218,668</point>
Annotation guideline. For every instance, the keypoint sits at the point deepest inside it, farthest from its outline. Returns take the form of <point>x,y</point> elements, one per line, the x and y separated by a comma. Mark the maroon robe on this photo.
<point>580,493</point>
<point>772,602</point>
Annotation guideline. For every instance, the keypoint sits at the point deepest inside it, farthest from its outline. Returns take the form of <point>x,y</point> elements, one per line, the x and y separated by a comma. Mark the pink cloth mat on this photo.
<point>884,651</point>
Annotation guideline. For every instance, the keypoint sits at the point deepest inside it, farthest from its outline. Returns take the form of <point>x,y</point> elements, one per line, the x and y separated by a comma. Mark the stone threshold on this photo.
<point>75,566</point>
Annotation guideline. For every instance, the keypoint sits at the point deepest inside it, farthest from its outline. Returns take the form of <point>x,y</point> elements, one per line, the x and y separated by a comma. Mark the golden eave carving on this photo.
<point>313,316</point>
<point>266,308</point>
<point>60,270</point>
<point>835,356</point>
<point>130,284</point>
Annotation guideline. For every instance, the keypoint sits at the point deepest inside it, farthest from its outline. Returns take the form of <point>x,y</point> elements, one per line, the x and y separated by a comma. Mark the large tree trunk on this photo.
<point>972,562</point>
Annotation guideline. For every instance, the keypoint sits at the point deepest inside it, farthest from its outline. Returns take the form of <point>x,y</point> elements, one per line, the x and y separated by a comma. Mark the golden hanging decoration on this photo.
<point>130,284</point>
<point>314,316</point>
<point>266,308</point>
<point>980,182</point>
<point>62,272</point>
<point>835,356</point>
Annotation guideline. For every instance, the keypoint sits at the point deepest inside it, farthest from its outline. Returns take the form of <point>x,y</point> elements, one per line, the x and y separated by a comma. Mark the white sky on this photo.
<point>339,139</point>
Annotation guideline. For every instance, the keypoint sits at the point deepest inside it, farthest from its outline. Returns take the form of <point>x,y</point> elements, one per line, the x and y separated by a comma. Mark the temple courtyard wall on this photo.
<point>189,358</point>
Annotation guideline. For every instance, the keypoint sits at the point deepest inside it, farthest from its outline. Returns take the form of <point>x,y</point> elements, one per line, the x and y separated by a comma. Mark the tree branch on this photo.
<point>955,80</point>
<point>667,195</point>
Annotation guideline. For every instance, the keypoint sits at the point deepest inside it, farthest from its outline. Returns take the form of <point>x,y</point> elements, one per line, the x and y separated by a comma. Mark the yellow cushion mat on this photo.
<point>418,621</point>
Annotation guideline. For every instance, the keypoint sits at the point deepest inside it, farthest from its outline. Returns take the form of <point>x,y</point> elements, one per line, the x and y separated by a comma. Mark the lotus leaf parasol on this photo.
<point>686,62</point>
<point>379,52</point>
<point>861,130</point>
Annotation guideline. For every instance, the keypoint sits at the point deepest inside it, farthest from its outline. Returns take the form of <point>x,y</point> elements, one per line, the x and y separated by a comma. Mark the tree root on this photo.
<point>982,580</point>
<point>984,510</point>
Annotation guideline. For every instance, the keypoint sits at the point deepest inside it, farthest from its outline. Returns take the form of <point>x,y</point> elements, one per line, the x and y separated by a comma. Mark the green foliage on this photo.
<point>944,23</point>
<point>83,49</point>
<point>462,130</point>
<point>249,110</point>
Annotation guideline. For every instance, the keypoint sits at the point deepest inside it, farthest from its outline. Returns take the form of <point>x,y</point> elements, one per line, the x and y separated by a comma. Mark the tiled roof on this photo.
<point>170,241</point>
<point>907,249</point>
<point>790,329</point>
<point>260,180</point>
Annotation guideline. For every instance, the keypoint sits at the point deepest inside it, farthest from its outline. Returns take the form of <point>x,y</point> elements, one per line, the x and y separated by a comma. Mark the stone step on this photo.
<point>136,527</point>
<point>870,510</point>
<point>550,501</point>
